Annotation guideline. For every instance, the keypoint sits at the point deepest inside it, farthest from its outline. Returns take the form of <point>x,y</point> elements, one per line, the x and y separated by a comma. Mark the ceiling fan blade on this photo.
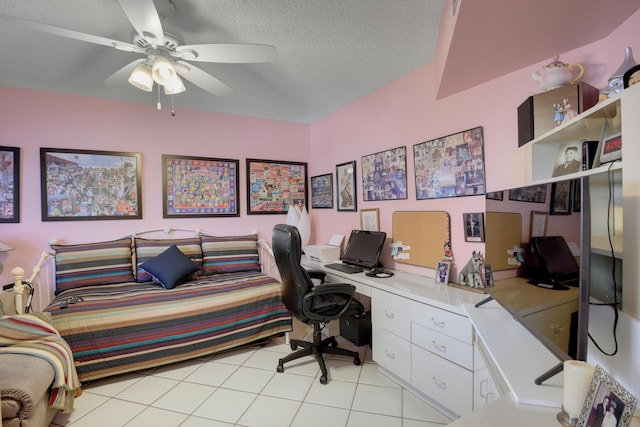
<point>202,79</point>
<point>123,73</point>
<point>144,17</point>
<point>228,53</point>
<point>58,31</point>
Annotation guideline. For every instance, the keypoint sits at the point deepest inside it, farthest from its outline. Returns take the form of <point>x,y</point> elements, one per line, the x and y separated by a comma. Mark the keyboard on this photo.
<point>345,268</point>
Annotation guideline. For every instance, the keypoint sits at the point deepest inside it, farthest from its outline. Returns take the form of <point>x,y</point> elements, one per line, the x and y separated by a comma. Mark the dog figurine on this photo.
<point>471,274</point>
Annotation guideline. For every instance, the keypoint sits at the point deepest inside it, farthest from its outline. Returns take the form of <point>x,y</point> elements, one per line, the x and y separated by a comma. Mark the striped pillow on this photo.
<point>99,263</point>
<point>230,254</point>
<point>147,249</point>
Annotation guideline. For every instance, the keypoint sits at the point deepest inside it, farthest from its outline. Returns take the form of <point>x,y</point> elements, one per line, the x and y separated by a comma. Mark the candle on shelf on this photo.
<point>577,377</point>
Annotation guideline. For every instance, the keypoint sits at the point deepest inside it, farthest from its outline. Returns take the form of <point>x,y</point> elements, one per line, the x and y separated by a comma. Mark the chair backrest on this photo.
<point>287,251</point>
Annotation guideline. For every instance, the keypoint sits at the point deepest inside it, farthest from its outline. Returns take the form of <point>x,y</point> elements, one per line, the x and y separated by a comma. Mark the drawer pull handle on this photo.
<point>390,315</point>
<point>389,354</point>
<point>438,323</point>
<point>484,388</point>
<point>440,347</point>
<point>438,383</point>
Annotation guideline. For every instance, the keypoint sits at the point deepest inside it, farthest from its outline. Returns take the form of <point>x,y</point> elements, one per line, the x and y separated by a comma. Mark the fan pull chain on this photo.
<point>173,113</point>
<point>159,105</point>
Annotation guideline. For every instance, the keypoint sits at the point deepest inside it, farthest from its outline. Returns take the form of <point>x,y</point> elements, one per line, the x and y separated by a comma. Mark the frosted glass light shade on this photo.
<point>175,86</point>
<point>293,216</point>
<point>163,71</point>
<point>304,227</point>
<point>141,78</point>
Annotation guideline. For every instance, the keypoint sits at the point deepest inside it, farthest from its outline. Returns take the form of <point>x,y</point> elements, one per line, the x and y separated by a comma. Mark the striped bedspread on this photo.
<point>126,327</point>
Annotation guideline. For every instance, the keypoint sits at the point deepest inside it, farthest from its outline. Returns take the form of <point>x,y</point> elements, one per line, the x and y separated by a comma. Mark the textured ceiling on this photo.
<point>330,52</point>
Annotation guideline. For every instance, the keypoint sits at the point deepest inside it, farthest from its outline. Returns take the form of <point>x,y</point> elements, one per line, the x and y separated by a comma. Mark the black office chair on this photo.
<point>312,304</point>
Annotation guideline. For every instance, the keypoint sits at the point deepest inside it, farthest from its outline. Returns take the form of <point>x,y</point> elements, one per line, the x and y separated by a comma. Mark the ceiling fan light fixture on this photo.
<point>174,87</point>
<point>141,78</point>
<point>163,71</point>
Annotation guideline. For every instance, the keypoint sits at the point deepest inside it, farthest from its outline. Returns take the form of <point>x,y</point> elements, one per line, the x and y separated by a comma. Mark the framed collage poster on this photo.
<point>199,187</point>
<point>451,166</point>
<point>273,186</point>
<point>322,191</point>
<point>346,186</point>
<point>9,184</point>
<point>384,175</point>
<point>90,185</point>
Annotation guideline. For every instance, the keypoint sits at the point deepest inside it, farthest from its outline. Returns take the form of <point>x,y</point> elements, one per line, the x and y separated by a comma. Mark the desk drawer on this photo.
<point>391,312</point>
<point>443,381</point>
<point>392,353</point>
<point>445,322</point>
<point>443,345</point>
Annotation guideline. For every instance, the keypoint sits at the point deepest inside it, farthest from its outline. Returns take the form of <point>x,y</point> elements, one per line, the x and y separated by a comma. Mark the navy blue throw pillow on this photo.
<point>170,268</point>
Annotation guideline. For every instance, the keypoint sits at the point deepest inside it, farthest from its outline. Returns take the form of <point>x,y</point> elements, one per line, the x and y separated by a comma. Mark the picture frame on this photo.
<point>196,187</point>
<point>568,159</point>
<point>442,272</point>
<point>473,227</point>
<point>631,76</point>
<point>619,402</point>
<point>538,224</point>
<point>531,193</point>
<point>488,275</point>
<point>450,166</point>
<point>370,219</point>
<point>576,193</point>
<point>9,184</point>
<point>384,175</point>
<point>496,195</point>
<point>322,191</point>
<point>112,185</point>
<point>611,148</point>
<point>560,198</point>
<point>273,186</point>
<point>346,186</point>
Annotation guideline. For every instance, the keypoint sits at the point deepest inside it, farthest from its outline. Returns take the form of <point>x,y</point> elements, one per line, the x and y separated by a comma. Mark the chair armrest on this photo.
<point>328,301</point>
<point>333,288</point>
<point>317,274</point>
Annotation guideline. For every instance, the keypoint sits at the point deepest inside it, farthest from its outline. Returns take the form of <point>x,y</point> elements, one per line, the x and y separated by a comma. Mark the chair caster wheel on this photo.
<point>323,379</point>
<point>280,368</point>
<point>293,346</point>
<point>356,361</point>
<point>334,343</point>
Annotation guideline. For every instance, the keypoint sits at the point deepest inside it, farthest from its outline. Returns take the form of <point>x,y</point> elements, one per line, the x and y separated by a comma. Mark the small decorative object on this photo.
<point>569,159</point>
<point>557,74</point>
<point>384,175</point>
<point>450,166</point>
<point>116,193</point>
<point>560,198</point>
<point>442,272</point>
<point>471,275</point>
<point>9,184</point>
<point>607,403</point>
<point>488,275</point>
<point>322,191</point>
<point>474,227</point>
<point>272,186</point>
<point>631,76</point>
<point>346,185</point>
<point>616,81</point>
<point>448,253</point>
<point>611,148</point>
<point>576,378</point>
<point>370,219</point>
<point>199,187</point>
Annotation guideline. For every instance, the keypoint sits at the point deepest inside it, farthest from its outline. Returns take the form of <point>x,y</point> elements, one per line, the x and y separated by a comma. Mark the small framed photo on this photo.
<point>474,227</point>
<point>611,148</point>
<point>607,403</point>
<point>9,184</point>
<point>322,191</point>
<point>631,76</point>
<point>370,219</point>
<point>576,193</point>
<point>560,198</point>
<point>346,186</point>
<point>488,275</point>
<point>538,226</point>
<point>495,195</point>
<point>442,272</point>
<point>569,159</point>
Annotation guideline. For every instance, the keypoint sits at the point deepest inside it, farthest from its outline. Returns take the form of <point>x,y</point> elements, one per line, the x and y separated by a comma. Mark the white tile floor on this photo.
<point>242,388</point>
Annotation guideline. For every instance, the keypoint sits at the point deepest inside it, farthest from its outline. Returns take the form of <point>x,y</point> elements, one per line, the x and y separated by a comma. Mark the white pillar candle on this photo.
<point>577,377</point>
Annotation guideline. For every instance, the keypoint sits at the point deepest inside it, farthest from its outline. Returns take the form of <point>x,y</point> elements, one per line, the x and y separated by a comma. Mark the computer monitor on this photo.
<point>557,263</point>
<point>364,248</point>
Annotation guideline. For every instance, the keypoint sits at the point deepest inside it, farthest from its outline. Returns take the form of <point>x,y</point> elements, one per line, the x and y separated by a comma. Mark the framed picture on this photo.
<point>611,148</point>
<point>322,191</point>
<point>560,198</point>
<point>9,184</point>
<point>488,275</point>
<point>273,186</point>
<point>532,193</point>
<point>199,187</point>
<point>607,403</point>
<point>631,76</point>
<point>576,192</point>
<point>569,159</point>
<point>474,227</point>
<point>346,185</point>
<point>442,272</point>
<point>538,226</point>
<point>496,195</point>
<point>384,175</point>
<point>450,166</point>
<point>370,219</point>
<point>90,185</point>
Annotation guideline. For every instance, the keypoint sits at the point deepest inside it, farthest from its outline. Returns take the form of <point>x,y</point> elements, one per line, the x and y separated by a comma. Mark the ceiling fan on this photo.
<point>165,55</point>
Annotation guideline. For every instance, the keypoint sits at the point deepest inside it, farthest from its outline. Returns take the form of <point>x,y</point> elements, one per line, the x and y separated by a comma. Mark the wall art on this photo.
<point>473,227</point>
<point>370,219</point>
<point>451,166</point>
<point>322,191</point>
<point>384,175</point>
<point>532,193</point>
<point>273,186</point>
<point>9,184</point>
<point>199,187</point>
<point>560,198</point>
<point>607,403</point>
<point>346,186</point>
<point>90,185</point>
